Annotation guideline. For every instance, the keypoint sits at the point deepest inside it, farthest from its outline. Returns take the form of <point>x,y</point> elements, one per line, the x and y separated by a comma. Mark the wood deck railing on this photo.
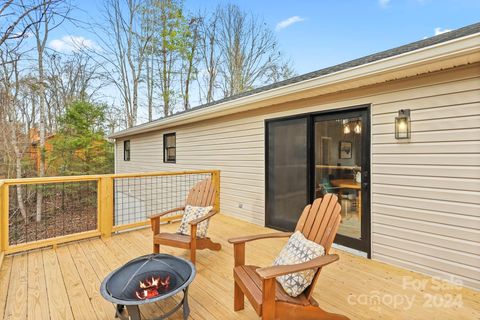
<point>123,201</point>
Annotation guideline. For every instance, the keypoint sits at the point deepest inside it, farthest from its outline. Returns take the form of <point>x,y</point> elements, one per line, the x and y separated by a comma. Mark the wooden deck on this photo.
<point>63,283</point>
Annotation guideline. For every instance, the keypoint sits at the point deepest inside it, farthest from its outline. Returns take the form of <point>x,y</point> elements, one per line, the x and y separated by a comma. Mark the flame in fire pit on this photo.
<point>152,287</point>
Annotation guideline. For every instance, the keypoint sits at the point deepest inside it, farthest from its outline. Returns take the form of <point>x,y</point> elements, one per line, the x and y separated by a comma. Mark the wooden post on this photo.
<point>105,205</point>
<point>216,181</point>
<point>4,207</point>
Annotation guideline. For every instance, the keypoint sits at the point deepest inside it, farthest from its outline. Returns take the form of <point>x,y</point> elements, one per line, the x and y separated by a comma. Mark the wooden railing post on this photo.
<point>4,207</point>
<point>216,181</point>
<point>105,205</point>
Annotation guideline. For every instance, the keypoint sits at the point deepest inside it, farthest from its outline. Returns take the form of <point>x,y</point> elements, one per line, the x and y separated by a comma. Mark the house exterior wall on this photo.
<point>425,194</point>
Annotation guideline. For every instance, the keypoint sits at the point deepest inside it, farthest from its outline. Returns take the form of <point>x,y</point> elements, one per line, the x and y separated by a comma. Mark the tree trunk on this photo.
<point>18,172</point>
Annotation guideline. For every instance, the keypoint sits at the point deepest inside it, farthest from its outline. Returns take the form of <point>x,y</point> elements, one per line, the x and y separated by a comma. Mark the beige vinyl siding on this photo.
<point>425,200</point>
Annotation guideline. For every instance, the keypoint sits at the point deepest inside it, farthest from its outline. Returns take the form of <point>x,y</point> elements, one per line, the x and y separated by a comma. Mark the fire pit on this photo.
<point>148,279</point>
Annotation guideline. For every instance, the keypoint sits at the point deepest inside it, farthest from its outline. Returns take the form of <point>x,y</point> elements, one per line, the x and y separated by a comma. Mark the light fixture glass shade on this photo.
<point>346,129</point>
<point>358,128</point>
<point>402,125</point>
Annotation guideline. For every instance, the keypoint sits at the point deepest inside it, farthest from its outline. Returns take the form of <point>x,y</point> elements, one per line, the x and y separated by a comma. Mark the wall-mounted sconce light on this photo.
<point>402,124</point>
<point>358,128</point>
<point>346,128</point>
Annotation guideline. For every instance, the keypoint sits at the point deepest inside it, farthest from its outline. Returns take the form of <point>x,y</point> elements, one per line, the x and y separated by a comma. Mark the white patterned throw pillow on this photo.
<point>297,250</point>
<point>192,213</point>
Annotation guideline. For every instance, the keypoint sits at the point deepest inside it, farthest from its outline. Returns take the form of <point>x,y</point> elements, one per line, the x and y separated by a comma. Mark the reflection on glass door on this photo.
<point>338,168</point>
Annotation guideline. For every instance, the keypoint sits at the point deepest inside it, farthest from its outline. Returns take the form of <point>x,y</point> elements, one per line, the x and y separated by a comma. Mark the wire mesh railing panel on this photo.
<point>137,198</point>
<point>49,210</point>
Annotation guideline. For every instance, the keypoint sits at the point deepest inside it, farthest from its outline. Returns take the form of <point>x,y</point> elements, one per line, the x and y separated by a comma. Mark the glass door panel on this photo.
<point>338,167</point>
<point>287,172</point>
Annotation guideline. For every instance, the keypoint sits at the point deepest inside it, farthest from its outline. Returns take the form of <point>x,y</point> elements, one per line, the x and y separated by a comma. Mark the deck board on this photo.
<point>58,300</point>
<point>37,287</point>
<point>84,264</point>
<point>16,307</point>
<point>78,297</point>
<point>4,283</point>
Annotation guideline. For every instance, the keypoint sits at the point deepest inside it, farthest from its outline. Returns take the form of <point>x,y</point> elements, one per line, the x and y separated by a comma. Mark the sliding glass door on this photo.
<point>315,154</point>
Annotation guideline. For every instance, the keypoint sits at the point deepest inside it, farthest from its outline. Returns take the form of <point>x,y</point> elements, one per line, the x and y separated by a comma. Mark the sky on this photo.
<point>318,34</point>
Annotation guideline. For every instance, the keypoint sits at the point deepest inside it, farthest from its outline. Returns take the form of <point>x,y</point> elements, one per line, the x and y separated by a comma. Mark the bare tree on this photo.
<point>210,57</point>
<point>190,59</point>
<point>15,21</point>
<point>69,78</point>
<point>124,49</point>
<point>45,18</point>
<point>248,50</point>
<point>11,114</point>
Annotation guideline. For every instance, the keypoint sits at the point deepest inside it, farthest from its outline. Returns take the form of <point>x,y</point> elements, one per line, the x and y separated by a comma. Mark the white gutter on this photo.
<point>445,50</point>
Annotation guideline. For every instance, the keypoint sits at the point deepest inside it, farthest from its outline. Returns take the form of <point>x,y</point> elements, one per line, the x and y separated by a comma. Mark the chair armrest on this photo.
<point>205,217</point>
<point>275,271</point>
<point>259,237</point>
<point>158,215</point>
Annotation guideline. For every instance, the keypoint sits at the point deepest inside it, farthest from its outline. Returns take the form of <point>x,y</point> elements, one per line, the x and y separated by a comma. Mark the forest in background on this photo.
<point>154,56</point>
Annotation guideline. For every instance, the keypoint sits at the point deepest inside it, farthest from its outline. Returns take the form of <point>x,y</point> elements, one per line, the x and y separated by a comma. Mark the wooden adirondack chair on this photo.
<point>319,223</point>
<point>201,195</point>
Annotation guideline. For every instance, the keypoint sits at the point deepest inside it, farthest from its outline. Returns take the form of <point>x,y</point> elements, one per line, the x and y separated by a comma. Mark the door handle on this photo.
<point>365,185</point>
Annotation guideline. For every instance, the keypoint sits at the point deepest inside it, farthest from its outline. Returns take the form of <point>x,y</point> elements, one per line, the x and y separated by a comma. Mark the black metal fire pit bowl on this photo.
<point>121,285</point>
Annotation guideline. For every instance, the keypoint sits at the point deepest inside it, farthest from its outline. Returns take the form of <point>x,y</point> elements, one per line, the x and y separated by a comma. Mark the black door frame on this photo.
<point>363,244</point>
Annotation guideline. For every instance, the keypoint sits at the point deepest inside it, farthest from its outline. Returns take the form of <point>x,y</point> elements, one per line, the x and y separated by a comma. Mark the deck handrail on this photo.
<point>105,206</point>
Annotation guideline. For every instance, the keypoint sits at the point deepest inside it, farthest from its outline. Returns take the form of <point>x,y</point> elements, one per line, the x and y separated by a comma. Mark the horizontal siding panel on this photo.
<point>431,148</point>
<point>468,282</point>
<point>219,123</point>
<point>427,182</point>
<point>224,136</point>
<point>227,128</point>
<point>257,205</point>
<point>426,204</point>
<point>431,136</point>
<point>249,209</point>
<point>433,216</point>
<point>186,153</point>
<point>427,238</point>
<point>248,195</point>
<point>427,226</point>
<point>432,111</point>
<point>431,125</point>
<point>427,170</point>
<point>440,264</point>
<point>459,104</point>
<point>236,184</point>
<point>222,145</point>
<point>428,193</point>
<point>471,260</point>
<point>231,162</point>
<point>420,159</point>
<point>463,91</point>
<point>257,176</point>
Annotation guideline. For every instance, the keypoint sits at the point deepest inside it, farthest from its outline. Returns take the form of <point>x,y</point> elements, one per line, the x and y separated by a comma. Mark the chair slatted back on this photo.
<point>319,223</point>
<point>202,194</point>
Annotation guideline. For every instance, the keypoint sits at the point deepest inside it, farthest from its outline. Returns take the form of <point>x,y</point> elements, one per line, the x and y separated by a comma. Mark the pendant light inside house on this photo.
<point>358,128</point>
<point>346,128</point>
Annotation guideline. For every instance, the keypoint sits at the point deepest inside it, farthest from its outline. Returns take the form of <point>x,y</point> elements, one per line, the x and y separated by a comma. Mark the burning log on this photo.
<point>150,288</point>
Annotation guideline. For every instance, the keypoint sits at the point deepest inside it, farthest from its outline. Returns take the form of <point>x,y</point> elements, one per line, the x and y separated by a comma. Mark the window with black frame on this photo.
<point>126,150</point>
<point>169,148</point>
